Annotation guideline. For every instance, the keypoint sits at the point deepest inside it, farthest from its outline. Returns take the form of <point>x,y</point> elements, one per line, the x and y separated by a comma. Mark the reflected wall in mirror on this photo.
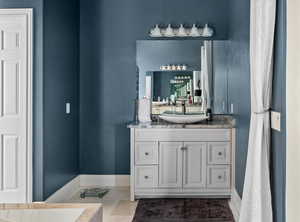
<point>203,85</point>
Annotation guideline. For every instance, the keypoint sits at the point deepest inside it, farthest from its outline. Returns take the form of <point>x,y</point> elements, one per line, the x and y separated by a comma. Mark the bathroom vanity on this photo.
<point>191,156</point>
<point>174,160</point>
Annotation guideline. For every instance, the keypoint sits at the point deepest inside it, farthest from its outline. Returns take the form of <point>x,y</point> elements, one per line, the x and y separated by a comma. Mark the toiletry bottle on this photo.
<point>190,98</point>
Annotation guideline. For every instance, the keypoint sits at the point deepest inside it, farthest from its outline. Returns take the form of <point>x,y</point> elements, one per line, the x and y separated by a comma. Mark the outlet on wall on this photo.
<point>68,108</point>
<point>275,120</point>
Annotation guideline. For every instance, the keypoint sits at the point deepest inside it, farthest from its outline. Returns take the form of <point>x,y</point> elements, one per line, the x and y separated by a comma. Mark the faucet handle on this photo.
<point>184,148</point>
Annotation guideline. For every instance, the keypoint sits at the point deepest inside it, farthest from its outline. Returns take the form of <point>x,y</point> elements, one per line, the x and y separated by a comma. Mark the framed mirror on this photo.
<point>201,85</point>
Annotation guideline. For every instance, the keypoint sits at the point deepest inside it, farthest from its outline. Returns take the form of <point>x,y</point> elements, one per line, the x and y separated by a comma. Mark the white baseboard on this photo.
<point>235,204</point>
<point>105,180</point>
<point>65,192</point>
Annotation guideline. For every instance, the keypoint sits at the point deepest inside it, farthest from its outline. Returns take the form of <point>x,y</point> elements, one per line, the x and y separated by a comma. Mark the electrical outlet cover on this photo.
<point>275,120</point>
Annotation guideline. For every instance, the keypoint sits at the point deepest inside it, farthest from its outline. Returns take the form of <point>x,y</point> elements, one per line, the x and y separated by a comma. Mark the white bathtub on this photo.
<point>41,215</point>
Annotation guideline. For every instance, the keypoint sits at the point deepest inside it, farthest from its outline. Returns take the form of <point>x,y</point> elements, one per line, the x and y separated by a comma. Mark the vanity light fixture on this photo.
<point>181,31</point>
<point>173,67</point>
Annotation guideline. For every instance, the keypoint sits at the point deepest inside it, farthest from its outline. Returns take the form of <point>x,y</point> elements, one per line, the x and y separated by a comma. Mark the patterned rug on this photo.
<point>183,210</point>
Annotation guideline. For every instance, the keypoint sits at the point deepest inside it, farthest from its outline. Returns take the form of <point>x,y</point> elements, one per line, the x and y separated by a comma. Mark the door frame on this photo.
<point>28,12</point>
<point>292,107</point>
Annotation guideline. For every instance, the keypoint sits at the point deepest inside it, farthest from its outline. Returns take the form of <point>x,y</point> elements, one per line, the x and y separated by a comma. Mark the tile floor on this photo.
<point>116,204</point>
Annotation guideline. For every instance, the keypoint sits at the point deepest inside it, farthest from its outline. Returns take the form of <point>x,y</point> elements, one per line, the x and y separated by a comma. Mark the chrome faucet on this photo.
<point>183,107</point>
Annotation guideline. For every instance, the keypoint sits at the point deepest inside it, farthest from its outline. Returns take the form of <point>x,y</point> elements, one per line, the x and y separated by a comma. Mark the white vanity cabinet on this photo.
<point>168,162</point>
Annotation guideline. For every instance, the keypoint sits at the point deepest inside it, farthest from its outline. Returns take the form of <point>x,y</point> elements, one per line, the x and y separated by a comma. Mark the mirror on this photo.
<point>172,88</point>
<point>201,85</point>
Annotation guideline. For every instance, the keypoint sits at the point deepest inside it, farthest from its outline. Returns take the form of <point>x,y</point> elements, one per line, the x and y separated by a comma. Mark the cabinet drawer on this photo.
<point>196,135</point>
<point>146,153</point>
<point>146,176</point>
<point>218,176</point>
<point>219,153</point>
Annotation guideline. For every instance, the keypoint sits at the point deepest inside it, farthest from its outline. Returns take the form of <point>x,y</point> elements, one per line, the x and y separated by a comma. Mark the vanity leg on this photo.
<point>132,145</point>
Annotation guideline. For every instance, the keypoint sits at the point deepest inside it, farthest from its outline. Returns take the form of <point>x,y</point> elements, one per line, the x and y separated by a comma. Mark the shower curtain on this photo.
<point>256,201</point>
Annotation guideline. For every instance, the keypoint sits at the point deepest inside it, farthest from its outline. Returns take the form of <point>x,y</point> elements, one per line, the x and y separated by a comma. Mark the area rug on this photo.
<point>183,210</point>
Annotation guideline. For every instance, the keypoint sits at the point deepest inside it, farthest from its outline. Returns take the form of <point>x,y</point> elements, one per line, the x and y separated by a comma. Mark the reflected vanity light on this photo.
<point>173,67</point>
<point>181,31</point>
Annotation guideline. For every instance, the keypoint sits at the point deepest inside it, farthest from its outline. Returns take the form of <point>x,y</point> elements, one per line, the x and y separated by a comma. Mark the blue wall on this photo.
<point>108,33</point>
<point>239,81</point>
<point>108,76</point>
<point>61,85</point>
<point>278,162</point>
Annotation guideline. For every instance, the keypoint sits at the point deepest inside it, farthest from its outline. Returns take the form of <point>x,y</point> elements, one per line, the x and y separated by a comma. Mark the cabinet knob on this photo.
<point>220,177</point>
<point>183,148</point>
<point>147,154</point>
<point>220,153</point>
<point>146,177</point>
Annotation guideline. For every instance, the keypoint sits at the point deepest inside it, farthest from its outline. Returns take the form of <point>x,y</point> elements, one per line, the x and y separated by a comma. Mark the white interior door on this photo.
<point>15,107</point>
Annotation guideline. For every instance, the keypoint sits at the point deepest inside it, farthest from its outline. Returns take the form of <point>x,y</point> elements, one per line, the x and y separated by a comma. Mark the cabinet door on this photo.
<point>170,164</point>
<point>194,165</point>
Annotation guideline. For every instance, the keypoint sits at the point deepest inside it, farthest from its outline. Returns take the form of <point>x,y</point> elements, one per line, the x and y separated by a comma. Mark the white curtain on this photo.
<point>257,201</point>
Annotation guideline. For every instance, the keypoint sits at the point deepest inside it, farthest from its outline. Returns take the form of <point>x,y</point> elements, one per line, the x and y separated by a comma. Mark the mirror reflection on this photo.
<point>202,85</point>
<point>173,89</point>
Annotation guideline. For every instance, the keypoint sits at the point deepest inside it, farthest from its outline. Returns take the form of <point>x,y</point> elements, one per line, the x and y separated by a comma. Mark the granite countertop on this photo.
<point>91,213</point>
<point>218,122</point>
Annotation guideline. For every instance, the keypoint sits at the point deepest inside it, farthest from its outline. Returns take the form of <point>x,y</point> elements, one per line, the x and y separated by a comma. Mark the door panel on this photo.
<point>170,164</point>
<point>10,158</point>
<point>10,92</point>
<point>13,107</point>
<point>194,165</point>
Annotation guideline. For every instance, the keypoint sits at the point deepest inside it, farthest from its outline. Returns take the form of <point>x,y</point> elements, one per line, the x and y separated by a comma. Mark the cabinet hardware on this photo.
<point>146,153</point>
<point>220,177</point>
<point>220,153</point>
<point>146,177</point>
<point>183,148</point>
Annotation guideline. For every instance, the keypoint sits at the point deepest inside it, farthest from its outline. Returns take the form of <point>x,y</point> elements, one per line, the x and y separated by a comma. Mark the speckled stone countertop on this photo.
<point>218,122</point>
<point>91,213</point>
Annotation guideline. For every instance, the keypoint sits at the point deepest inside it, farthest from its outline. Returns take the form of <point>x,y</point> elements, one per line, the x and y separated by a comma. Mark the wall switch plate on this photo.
<point>68,108</point>
<point>275,120</point>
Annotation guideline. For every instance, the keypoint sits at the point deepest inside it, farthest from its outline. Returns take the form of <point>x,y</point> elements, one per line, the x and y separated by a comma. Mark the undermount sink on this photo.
<point>188,118</point>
